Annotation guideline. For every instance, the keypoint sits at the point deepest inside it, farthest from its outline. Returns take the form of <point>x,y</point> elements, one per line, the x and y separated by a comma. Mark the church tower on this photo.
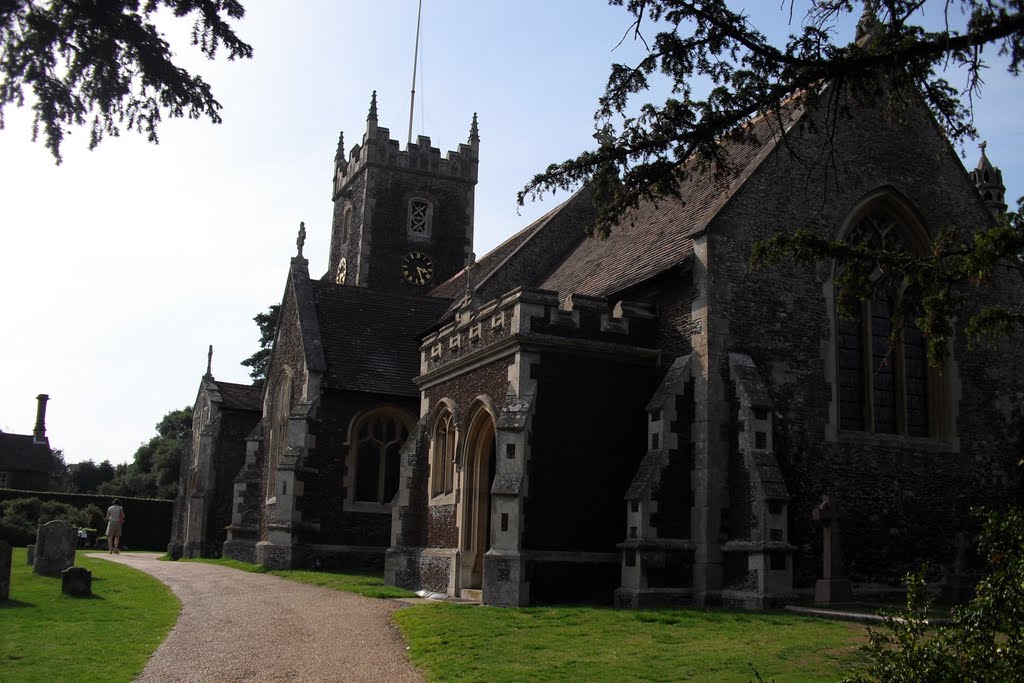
<point>403,219</point>
<point>989,181</point>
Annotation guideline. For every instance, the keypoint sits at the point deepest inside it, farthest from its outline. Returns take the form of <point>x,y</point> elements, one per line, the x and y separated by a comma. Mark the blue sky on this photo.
<point>120,266</point>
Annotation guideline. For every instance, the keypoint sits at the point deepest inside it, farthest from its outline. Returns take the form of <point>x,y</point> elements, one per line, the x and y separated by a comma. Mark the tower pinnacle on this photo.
<point>300,241</point>
<point>989,181</point>
<point>372,116</point>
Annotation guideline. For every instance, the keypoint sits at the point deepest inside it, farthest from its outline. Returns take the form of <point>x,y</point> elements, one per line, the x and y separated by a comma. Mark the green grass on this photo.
<point>48,636</point>
<point>367,584</point>
<point>463,643</point>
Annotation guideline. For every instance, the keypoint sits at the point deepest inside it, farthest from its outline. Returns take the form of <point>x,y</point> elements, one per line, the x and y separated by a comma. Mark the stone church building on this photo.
<point>641,418</point>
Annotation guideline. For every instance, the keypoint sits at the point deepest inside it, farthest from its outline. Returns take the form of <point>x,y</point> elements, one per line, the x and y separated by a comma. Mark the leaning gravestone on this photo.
<point>5,570</point>
<point>55,547</point>
<point>30,553</point>
<point>76,581</point>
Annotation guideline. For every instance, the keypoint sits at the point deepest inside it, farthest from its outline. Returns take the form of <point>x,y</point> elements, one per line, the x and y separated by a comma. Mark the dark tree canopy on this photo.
<point>153,472</point>
<point>645,150</point>
<point>104,64</point>
<point>259,362</point>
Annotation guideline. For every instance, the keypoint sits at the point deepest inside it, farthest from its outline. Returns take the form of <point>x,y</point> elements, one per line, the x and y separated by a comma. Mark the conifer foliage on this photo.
<point>105,64</point>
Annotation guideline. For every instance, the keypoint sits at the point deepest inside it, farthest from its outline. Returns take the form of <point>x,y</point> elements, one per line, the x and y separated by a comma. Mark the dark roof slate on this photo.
<point>370,337</point>
<point>240,396</point>
<point>659,234</point>
<point>20,453</point>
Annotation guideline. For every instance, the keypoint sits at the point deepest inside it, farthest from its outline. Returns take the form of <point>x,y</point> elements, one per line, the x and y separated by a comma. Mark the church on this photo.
<point>636,420</point>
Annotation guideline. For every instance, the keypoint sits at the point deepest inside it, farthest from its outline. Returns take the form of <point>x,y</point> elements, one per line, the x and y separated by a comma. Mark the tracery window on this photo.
<point>883,386</point>
<point>420,216</point>
<point>442,454</point>
<point>376,449</point>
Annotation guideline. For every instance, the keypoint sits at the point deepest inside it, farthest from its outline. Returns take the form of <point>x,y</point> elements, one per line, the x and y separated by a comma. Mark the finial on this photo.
<point>301,240</point>
<point>868,22</point>
<point>340,154</point>
<point>474,131</point>
<point>209,361</point>
<point>372,116</point>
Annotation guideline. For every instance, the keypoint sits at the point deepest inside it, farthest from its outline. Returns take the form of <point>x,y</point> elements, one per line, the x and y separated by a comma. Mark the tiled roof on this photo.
<point>240,396</point>
<point>20,453</point>
<point>455,286</point>
<point>659,234</point>
<point>370,337</point>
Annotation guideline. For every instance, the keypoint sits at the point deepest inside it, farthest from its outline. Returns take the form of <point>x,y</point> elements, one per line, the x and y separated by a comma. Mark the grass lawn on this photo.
<point>367,584</point>
<point>463,643</point>
<point>48,636</point>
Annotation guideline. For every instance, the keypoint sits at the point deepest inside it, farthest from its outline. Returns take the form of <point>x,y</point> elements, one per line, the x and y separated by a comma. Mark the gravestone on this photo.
<point>55,547</point>
<point>76,581</point>
<point>5,570</point>
<point>958,586</point>
<point>30,553</point>
<point>834,587</point>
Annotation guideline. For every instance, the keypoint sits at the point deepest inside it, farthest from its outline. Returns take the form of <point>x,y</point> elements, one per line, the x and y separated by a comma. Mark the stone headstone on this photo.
<point>834,587</point>
<point>76,581</point>
<point>30,553</point>
<point>958,586</point>
<point>5,570</point>
<point>55,547</point>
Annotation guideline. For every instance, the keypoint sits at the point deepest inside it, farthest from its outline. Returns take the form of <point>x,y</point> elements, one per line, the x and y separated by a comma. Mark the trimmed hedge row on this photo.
<point>147,520</point>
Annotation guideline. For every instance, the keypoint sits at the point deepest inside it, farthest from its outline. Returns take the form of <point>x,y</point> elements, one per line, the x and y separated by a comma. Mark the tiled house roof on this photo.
<point>352,322</point>
<point>21,453</point>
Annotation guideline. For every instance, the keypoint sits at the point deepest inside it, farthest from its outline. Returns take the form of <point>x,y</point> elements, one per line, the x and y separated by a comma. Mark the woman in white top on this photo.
<point>115,518</point>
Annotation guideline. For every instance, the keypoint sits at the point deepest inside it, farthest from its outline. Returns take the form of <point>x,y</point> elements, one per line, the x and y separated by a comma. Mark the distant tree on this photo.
<point>59,470</point>
<point>644,151</point>
<point>87,476</point>
<point>259,362</point>
<point>103,63</point>
<point>153,473</point>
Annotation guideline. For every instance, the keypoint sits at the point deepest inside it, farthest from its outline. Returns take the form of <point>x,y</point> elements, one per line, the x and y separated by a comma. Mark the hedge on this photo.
<point>147,520</point>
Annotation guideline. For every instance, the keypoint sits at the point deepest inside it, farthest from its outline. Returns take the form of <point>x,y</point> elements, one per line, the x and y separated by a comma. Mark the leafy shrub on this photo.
<point>984,641</point>
<point>20,517</point>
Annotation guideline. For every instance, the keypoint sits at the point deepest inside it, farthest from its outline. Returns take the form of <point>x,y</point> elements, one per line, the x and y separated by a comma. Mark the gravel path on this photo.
<point>242,626</point>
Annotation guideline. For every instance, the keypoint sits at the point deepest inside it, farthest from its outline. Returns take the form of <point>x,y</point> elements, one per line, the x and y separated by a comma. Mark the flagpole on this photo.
<point>415,57</point>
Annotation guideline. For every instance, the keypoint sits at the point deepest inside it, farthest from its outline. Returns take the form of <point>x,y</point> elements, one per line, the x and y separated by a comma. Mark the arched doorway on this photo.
<point>475,513</point>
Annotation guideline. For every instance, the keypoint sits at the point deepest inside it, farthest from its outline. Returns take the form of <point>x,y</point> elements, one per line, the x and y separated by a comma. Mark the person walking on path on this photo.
<point>115,518</point>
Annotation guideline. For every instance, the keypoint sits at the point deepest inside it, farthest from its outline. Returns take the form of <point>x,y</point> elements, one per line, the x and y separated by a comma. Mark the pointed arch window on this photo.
<point>280,406</point>
<point>376,455</point>
<point>442,455</point>
<point>884,387</point>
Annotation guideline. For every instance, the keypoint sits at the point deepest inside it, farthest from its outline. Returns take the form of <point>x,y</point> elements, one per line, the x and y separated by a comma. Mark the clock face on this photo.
<point>342,271</point>
<point>417,268</point>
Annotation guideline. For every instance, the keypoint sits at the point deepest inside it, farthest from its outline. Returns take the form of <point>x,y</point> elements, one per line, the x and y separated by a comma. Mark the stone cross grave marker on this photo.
<point>833,588</point>
<point>5,570</point>
<point>55,547</point>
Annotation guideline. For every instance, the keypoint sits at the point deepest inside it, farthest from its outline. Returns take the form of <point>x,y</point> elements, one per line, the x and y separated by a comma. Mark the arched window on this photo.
<point>280,406</point>
<point>883,387</point>
<point>376,444</point>
<point>346,224</point>
<point>421,213</point>
<point>442,454</point>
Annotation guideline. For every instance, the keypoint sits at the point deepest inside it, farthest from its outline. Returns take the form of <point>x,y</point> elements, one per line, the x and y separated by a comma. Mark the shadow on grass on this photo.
<point>15,604</point>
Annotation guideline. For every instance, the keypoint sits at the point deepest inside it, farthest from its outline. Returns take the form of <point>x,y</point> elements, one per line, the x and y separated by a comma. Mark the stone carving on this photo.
<point>5,570</point>
<point>55,547</point>
<point>833,588</point>
<point>76,581</point>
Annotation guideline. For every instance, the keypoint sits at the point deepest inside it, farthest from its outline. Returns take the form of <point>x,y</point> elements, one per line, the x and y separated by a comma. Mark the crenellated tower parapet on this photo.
<point>403,218</point>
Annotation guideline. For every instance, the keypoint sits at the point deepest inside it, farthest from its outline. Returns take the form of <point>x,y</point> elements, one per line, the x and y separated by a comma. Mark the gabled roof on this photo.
<point>21,453</point>
<point>240,396</point>
<point>370,337</point>
<point>659,234</point>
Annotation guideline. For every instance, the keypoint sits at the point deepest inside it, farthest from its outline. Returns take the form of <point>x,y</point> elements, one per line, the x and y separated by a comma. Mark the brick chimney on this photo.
<point>39,433</point>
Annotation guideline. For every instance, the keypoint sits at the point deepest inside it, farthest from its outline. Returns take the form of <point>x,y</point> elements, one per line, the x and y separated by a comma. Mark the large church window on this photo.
<point>883,385</point>
<point>420,215</point>
<point>378,441</point>
<point>279,409</point>
<point>442,455</point>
